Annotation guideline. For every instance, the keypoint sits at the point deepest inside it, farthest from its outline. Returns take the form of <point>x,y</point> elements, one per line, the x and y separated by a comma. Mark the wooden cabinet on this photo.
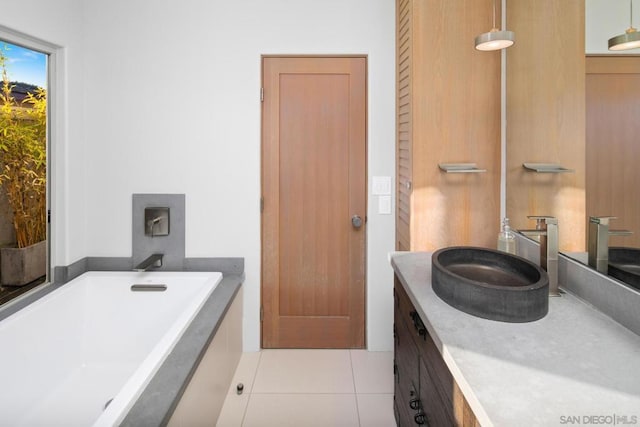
<point>425,392</point>
<point>448,111</point>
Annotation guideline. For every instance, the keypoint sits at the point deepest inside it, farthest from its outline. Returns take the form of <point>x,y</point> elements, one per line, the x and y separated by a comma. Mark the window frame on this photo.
<point>54,130</point>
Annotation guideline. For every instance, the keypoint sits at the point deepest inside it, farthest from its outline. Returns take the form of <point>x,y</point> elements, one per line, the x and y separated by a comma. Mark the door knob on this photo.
<point>356,221</point>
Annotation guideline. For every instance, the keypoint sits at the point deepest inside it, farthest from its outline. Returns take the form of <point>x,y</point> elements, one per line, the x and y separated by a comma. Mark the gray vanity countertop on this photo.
<point>575,366</point>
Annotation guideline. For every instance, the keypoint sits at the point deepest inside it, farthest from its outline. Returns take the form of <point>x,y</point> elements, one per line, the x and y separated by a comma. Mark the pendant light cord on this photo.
<point>494,14</point>
<point>630,13</point>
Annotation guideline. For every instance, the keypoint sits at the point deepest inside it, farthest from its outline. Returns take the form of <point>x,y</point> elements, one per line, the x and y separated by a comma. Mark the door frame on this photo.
<point>366,180</point>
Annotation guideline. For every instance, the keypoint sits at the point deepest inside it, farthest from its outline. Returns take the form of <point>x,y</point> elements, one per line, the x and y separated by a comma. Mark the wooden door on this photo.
<point>313,185</point>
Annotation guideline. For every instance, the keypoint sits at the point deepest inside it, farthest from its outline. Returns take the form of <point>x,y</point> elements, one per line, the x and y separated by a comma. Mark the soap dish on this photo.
<point>460,168</point>
<point>546,168</point>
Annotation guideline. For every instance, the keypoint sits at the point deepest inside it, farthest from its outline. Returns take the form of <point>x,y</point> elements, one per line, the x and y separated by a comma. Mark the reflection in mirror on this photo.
<point>545,121</point>
<point>612,107</point>
<point>611,92</point>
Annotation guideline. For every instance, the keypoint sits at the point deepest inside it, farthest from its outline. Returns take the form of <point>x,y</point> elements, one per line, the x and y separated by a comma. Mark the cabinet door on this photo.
<point>438,371</point>
<point>437,411</point>
<point>407,371</point>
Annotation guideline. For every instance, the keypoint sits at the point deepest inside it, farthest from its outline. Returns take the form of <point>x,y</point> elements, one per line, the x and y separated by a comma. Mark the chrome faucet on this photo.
<point>598,245</point>
<point>154,261</point>
<point>547,230</point>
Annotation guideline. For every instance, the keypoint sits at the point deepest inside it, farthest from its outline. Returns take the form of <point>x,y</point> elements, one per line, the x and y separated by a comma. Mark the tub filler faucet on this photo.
<point>547,230</point>
<point>154,261</point>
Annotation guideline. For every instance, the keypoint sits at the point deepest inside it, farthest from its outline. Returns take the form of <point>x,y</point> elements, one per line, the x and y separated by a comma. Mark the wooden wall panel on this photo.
<point>613,148</point>
<point>454,117</point>
<point>546,115</point>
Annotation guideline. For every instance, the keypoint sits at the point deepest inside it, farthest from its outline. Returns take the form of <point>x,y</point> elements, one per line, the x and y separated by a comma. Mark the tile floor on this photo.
<point>324,388</point>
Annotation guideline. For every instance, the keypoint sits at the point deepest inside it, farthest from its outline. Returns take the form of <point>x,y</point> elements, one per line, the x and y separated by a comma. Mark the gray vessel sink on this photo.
<point>624,265</point>
<point>490,284</point>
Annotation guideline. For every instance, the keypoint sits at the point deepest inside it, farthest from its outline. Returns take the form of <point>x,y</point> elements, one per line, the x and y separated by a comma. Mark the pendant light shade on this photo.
<point>495,39</point>
<point>630,39</point>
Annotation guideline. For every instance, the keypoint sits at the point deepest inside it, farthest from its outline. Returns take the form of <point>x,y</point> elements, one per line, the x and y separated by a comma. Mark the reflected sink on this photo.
<point>624,265</point>
<point>490,284</point>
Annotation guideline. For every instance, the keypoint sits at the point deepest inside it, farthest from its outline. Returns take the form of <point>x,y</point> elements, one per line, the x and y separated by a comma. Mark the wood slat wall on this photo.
<point>448,112</point>
<point>403,105</point>
<point>546,115</point>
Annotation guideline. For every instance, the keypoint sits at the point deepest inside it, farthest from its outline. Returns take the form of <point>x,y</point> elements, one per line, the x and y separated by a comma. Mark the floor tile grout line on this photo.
<point>355,388</point>
<point>253,381</point>
<point>255,373</point>
<point>318,394</point>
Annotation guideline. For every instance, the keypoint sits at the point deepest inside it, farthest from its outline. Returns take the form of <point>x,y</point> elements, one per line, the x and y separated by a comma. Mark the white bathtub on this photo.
<point>65,356</point>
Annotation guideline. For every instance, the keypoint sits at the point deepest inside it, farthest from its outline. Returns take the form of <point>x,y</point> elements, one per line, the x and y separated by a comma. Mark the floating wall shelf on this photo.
<point>546,168</point>
<point>460,168</point>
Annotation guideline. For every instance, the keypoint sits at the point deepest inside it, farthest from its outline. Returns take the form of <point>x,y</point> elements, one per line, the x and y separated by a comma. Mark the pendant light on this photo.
<point>495,39</point>
<point>630,39</point>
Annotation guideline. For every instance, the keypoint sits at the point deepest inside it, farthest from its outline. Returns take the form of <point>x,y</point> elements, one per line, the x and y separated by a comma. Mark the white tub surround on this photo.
<point>93,340</point>
<point>204,396</point>
<point>573,364</point>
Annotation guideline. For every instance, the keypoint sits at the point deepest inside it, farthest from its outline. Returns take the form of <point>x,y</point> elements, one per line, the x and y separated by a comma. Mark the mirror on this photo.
<point>606,177</point>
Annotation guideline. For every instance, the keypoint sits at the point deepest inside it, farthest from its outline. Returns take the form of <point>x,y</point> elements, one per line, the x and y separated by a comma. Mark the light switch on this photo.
<point>384,205</point>
<point>381,186</point>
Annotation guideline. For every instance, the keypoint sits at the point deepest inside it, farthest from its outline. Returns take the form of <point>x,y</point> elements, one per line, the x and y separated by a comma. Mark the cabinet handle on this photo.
<point>414,404</point>
<point>418,325</point>
<point>420,419</point>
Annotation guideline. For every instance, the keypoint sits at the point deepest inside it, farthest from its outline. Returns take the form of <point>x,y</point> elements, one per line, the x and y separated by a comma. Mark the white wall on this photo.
<point>606,19</point>
<point>170,95</point>
<point>172,101</point>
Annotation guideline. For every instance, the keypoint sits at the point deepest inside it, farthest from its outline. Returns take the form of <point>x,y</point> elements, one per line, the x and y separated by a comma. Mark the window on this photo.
<point>24,165</point>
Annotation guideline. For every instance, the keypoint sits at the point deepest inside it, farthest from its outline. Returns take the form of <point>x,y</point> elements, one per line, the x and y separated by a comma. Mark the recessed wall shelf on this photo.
<point>460,168</point>
<point>546,168</point>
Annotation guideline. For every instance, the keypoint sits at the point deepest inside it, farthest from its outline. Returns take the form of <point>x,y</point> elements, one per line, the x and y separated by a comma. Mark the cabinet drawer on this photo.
<point>433,362</point>
<point>408,314</point>
<point>406,358</point>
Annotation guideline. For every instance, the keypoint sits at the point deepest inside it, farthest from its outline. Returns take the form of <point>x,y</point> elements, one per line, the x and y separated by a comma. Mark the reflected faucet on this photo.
<point>547,230</point>
<point>154,261</point>
<point>598,246</point>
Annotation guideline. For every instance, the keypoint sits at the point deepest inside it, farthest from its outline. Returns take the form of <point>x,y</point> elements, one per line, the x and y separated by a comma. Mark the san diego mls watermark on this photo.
<point>600,420</point>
